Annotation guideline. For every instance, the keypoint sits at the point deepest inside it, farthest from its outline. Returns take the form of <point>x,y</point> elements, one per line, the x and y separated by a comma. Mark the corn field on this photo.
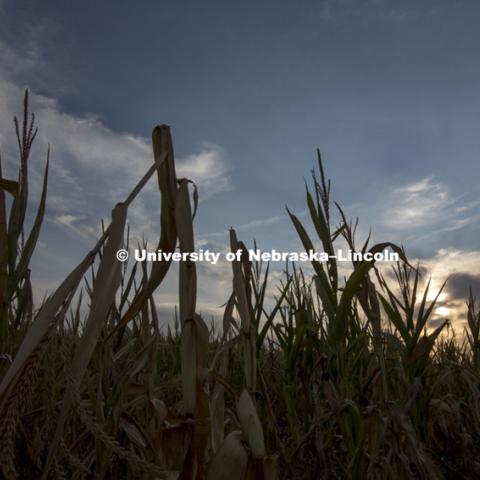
<point>331,378</point>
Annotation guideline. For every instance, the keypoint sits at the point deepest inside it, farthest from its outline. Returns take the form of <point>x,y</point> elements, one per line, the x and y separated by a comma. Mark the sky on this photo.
<point>388,90</point>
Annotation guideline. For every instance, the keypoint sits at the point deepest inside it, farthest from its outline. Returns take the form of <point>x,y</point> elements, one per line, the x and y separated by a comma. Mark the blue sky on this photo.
<point>388,90</point>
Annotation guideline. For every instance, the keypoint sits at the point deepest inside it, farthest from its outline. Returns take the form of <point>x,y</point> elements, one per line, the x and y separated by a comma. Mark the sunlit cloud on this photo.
<point>460,270</point>
<point>417,204</point>
<point>424,208</point>
<point>208,169</point>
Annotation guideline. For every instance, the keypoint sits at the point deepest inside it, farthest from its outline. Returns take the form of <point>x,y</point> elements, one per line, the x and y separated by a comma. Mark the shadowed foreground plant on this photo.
<point>83,391</point>
<point>16,301</point>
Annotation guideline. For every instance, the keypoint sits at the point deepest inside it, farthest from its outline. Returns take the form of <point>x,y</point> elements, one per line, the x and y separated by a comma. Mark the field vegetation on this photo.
<point>334,377</point>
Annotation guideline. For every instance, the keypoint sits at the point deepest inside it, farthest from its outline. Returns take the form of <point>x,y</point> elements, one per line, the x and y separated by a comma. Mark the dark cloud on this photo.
<point>459,283</point>
<point>423,271</point>
<point>436,322</point>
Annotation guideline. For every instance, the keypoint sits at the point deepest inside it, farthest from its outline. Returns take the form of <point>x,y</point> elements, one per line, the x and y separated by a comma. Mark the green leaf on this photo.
<point>327,296</point>
<point>31,243</point>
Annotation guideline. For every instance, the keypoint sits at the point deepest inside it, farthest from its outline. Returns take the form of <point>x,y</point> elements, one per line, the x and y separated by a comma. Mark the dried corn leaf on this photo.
<point>230,462</point>
<point>251,425</point>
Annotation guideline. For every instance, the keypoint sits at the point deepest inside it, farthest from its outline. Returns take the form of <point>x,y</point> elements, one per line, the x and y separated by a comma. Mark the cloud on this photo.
<point>460,283</point>
<point>88,142</point>
<point>92,166</point>
<point>417,204</point>
<point>426,205</point>
<point>257,223</point>
<point>460,269</point>
<point>77,225</point>
<point>67,220</point>
<point>208,169</point>
<point>456,264</point>
<point>15,62</point>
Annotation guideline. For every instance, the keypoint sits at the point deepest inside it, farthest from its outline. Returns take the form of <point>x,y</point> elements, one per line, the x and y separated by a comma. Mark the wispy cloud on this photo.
<point>77,225</point>
<point>427,204</point>
<point>253,224</point>
<point>417,204</point>
<point>208,168</point>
